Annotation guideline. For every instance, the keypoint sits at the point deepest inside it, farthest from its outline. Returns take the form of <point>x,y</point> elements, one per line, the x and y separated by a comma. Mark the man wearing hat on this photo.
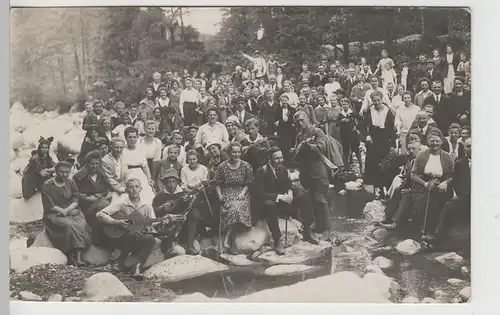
<point>259,64</point>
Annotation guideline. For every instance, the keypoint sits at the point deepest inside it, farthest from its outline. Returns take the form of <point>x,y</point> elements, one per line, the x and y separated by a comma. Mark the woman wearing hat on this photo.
<point>234,129</point>
<point>188,103</point>
<point>39,169</point>
<point>89,143</point>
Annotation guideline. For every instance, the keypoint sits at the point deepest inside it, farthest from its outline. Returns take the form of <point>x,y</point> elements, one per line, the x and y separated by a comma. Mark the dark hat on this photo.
<point>240,98</point>
<point>193,126</point>
<point>101,141</point>
<point>171,172</point>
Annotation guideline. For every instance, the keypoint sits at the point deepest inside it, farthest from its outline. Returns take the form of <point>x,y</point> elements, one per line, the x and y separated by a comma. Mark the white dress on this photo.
<point>135,159</point>
<point>193,177</point>
<point>448,81</point>
<point>152,149</point>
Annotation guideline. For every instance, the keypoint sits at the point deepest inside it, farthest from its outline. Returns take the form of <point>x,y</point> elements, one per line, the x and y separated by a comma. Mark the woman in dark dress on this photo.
<point>380,138</point>
<point>89,144</point>
<point>349,134</point>
<point>39,169</point>
<point>95,193</point>
<point>64,222</point>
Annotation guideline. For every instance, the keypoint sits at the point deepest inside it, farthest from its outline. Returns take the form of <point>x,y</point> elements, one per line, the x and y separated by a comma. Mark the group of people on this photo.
<point>231,141</point>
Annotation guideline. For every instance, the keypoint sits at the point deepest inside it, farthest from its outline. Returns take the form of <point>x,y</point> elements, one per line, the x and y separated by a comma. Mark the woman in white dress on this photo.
<point>134,157</point>
<point>451,61</point>
<point>150,145</point>
<point>125,123</point>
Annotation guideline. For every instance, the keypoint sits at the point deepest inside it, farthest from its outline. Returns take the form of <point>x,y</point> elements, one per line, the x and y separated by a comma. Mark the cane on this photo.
<point>426,210</point>
<point>286,232</point>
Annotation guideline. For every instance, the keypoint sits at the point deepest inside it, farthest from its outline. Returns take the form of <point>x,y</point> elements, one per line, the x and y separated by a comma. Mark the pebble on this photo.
<point>380,234</point>
<point>410,300</point>
<point>55,298</point>
<point>455,282</point>
<point>450,259</point>
<point>465,293</point>
<point>29,296</point>
<point>428,300</point>
<point>382,262</point>
<point>408,247</point>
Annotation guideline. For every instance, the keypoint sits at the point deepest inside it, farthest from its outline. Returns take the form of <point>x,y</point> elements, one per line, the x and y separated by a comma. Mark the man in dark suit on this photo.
<point>156,85</point>
<point>438,99</point>
<point>241,112</point>
<point>273,188</point>
<point>319,78</point>
<point>457,108</point>
<point>459,208</point>
<point>431,73</point>
<point>267,113</point>
<point>348,83</point>
<point>423,126</point>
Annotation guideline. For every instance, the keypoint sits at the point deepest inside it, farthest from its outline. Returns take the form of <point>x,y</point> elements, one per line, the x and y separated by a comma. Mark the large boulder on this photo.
<point>374,211</point>
<point>96,256</point>
<point>29,296</point>
<point>252,239</point>
<point>42,240</point>
<point>279,270</point>
<point>342,287</point>
<point>23,259</point>
<point>465,294</point>
<point>15,185</point>
<point>452,260</point>
<point>19,242</point>
<point>72,140</point>
<point>300,253</point>
<point>103,286</point>
<point>24,211</point>
<point>386,284</point>
<point>408,247</point>
<point>183,267</point>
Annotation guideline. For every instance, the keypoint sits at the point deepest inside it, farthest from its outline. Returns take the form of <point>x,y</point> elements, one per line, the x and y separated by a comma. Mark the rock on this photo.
<point>155,257</point>
<point>408,247</point>
<point>22,259</point>
<point>374,211</point>
<point>386,284</point>
<point>465,294</point>
<point>55,298</point>
<point>15,185</point>
<point>28,296</point>
<point>279,270</point>
<point>456,282</point>
<point>382,262</point>
<point>73,299</point>
<point>103,286</point>
<point>96,256</point>
<point>349,254</point>
<point>24,211</point>
<point>380,234</point>
<point>440,295</point>
<point>42,240</point>
<point>373,269</point>
<point>297,254</point>
<point>450,259</point>
<point>410,300</point>
<point>252,239</point>
<point>342,287</point>
<point>198,297</point>
<point>465,271</point>
<point>428,300</point>
<point>19,242</point>
<point>183,267</point>
<point>238,260</point>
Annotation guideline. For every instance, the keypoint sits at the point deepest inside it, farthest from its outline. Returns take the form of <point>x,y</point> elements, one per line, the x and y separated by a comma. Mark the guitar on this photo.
<point>137,224</point>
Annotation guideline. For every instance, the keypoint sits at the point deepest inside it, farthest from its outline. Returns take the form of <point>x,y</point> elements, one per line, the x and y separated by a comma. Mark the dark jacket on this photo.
<point>268,186</point>
<point>421,160</point>
<point>461,182</point>
<point>461,148</point>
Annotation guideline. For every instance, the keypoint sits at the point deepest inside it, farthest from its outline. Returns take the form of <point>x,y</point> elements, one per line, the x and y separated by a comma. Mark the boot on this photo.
<point>138,274</point>
<point>191,250</point>
<point>308,237</point>
<point>278,248</point>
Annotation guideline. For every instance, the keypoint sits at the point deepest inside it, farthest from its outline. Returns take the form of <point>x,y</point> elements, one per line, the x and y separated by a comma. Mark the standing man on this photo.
<point>156,85</point>
<point>259,64</point>
<point>114,167</point>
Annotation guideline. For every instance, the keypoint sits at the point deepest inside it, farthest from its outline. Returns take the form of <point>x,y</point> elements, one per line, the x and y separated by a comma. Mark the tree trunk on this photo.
<point>77,61</point>
<point>84,54</point>
<point>450,23</point>
<point>182,23</point>
<point>345,44</point>
<point>422,22</point>
<point>60,63</point>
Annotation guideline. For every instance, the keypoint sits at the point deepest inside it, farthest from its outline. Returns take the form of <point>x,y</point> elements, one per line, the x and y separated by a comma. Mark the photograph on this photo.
<point>284,154</point>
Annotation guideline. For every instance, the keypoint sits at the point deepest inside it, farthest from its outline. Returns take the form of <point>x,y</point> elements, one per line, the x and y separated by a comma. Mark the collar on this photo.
<point>259,138</point>
<point>127,202</point>
<point>349,111</point>
<point>178,189</point>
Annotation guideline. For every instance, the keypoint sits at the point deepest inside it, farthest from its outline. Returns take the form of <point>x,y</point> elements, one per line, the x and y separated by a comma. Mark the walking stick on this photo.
<point>425,215</point>
<point>286,232</point>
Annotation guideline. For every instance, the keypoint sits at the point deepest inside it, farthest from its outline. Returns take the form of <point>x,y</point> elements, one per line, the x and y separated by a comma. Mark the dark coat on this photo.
<point>267,186</point>
<point>461,177</point>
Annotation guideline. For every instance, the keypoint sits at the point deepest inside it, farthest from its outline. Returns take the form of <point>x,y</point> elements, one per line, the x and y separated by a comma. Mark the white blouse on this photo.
<point>120,130</point>
<point>433,166</point>
<point>134,157</point>
<point>151,149</point>
<point>191,177</point>
<point>160,102</point>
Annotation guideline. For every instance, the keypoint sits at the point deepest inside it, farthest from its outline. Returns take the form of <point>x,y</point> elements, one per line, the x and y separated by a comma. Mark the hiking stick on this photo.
<point>426,210</point>
<point>286,232</point>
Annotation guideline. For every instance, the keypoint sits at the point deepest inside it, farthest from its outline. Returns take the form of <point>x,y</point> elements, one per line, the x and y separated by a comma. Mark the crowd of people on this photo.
<point>233,139</point>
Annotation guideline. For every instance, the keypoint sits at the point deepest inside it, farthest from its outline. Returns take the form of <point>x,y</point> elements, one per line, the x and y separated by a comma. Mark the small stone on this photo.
<point>29,296</point>
<point>428,300</point>
<point>455,282</point>
<point>410,300</point>
<point>55,298</point>
<point>465,271</point>
<point>380,234</point>
<point>382,262</point>
<point>408,247</point>
<point>103,286</point>
<point>440,295</point>
<point>450,259</point>
<point>465,294</point>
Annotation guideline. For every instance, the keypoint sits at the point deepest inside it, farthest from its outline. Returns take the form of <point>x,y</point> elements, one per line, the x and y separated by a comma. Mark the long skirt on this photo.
<point>234,211</point>
<point>147,193</point>
<point>68,233</point>
<point>375,153</point>
<point>190,114</point>
<point>448,81</point>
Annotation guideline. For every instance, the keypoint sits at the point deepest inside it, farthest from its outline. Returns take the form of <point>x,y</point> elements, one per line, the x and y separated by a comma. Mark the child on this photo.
<point>177,140</point>
<point>464,68</point>
<point>139,124</point>
<point>366,67</point>
<point>388,76</point>
<point>170,160</point>
<point>349,134</point>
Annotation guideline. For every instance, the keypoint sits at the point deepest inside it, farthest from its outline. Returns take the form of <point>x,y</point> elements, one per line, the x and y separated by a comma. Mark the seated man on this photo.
<point>130,242</point>
<point>458,208</point>
<point>401,204</point>
<point>170,201</point>
<point>273,188</point>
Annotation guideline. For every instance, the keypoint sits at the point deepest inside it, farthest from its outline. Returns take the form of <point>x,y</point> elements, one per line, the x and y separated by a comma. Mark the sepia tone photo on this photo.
<point>240,154</point>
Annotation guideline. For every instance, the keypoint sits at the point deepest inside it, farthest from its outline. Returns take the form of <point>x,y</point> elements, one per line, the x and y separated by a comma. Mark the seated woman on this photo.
<point>103,145</point>
<point>64,222</point>
<point>89,144</point>
<point>151,146</point>
<point>39,169</point>
<point>193,176</point>
<point>233,178</point>
<point>95,193</point>
<point>451,143</point>
<point>254,146</point>
<point>431,174</point>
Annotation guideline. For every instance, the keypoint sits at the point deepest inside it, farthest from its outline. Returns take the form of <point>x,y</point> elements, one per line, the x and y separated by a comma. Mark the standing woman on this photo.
<point>158,120</point>
<point>424,92</point>
<point>39,169</point>
<point>134,158</point>
<point>285,128</point>
<point>188,103</point>
<point>89,144</point>
<point>163,101</point>
<point>451,64</point>
<point>151,146</point>
<point>380,138</point>
<point>203,106</point>
<point>64,222</point>
<point>332,116</point>
<point>439,64</point>
<point>349,134</point>
<point>307,108</point>
<point>175,96</point>
<point>107,128</point>
<point>432,172</point>
<point>233,178</point>
<point>148,103</point>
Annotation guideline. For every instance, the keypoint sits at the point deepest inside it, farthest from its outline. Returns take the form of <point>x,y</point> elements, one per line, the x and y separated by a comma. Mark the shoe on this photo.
<point>278,248</point>
<point>138,275</point>
<point>192,251</point>
<point>309,238</point>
